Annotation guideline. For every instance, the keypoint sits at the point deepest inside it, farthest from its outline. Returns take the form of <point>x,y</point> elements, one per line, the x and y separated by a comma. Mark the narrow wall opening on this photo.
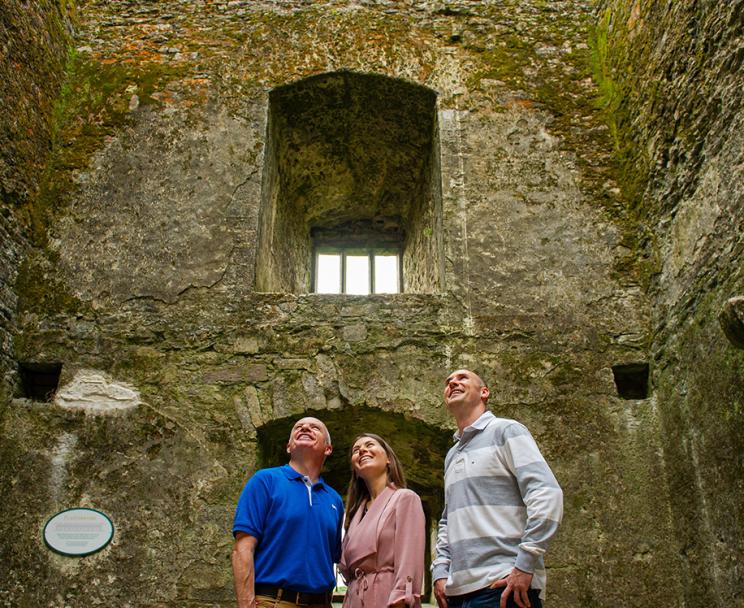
<point>631,380</point>
<point>350,158</point>
<point>39,381</point>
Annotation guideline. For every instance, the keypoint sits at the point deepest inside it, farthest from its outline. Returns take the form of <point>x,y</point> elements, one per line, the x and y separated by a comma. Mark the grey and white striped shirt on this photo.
<point>502,505</point>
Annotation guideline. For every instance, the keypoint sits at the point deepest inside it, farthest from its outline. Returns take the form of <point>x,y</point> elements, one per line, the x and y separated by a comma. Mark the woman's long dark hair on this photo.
<point>358,493</point>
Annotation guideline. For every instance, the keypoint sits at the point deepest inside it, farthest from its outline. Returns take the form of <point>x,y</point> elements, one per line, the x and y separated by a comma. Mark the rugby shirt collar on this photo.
<point>481,423</point>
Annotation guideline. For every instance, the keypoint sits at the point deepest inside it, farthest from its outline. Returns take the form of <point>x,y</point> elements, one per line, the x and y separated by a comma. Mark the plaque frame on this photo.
<point>67,554</point>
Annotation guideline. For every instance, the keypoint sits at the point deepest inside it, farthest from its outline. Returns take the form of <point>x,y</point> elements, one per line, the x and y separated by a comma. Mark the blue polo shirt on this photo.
<point>298,528</point>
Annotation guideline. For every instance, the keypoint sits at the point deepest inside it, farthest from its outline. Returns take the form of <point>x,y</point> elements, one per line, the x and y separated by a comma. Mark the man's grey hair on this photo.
<point>327,432</point>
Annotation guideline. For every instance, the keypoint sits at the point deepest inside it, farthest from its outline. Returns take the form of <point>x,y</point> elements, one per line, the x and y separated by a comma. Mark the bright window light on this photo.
<point>328,278</point>
<point>357,271</point>
<point>357,274</point>
<point>386,274</point>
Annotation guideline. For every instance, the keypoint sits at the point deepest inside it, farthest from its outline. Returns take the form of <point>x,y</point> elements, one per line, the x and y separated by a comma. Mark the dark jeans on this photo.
<point>490,598</point>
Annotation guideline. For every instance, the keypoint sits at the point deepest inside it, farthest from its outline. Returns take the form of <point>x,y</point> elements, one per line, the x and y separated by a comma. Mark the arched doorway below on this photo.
<point>420,447</point>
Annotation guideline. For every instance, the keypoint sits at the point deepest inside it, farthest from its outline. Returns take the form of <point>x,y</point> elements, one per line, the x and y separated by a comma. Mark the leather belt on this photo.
<point>293,597</point>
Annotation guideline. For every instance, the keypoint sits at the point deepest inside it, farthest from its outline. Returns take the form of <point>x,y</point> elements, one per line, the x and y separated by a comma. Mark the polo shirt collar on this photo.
<point>290,473</point>
<point>481,423</point>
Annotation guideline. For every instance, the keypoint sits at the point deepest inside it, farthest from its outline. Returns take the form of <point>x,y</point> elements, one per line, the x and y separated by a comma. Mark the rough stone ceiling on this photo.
<point>352,146</point>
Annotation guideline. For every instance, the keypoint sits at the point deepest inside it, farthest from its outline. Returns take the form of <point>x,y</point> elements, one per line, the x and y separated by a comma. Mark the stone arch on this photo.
<point>349,153</point>
<point>421,448</point>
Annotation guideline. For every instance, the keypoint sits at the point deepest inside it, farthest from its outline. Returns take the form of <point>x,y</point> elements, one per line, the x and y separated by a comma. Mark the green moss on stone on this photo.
<point>33,38</point>
<point>93,106</point>
<point>614,103</point>
<point>39,292</point>
<point>504,62</point>
<point>277,48</point>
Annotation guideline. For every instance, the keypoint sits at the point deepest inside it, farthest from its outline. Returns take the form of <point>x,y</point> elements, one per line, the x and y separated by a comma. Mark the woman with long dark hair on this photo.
<point>383,551</point>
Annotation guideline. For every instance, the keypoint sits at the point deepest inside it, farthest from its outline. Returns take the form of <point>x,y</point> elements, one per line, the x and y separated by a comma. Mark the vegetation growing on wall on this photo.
<point>645,57</point>
<point>95,102</point>
<point>615,105</point>
<point>32,42</point>
<point>670,81</point>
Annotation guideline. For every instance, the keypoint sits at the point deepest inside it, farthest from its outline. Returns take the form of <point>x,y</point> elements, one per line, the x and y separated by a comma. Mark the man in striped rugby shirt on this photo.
<point>502,505</point>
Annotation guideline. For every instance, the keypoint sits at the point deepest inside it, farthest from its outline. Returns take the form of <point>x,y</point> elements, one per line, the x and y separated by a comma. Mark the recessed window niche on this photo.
<point>352,161</point>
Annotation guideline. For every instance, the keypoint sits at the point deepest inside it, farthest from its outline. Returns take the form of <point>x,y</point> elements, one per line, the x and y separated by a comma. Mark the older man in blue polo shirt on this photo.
<point>287,528</point>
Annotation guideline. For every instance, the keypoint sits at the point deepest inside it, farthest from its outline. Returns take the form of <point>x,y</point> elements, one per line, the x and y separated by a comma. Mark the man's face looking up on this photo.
<point>464,390</point>
<point>309,434</point>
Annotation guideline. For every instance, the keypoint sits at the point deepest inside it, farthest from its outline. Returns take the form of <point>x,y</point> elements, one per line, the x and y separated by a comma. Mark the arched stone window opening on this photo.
<point>420,447</point>
<point>351,186</point>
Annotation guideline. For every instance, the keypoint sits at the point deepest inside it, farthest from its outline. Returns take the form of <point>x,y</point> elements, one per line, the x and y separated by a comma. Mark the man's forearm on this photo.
<point>243,576</point>
<point>541,494</point>
<point>441,564</point>
<point>544,502</point>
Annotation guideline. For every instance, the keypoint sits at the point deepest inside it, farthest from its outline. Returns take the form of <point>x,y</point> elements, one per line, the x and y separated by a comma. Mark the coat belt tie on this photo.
<point>362,579</point>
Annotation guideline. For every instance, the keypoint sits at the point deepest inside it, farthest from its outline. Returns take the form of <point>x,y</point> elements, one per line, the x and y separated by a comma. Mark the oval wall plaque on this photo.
<point>78,532</point>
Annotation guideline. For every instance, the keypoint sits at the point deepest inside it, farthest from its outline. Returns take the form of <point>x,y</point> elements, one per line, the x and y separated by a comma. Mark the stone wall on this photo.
<point>179,378</point>
<point>33,50</point>
<point>671,77</point>
<point>12,250</point>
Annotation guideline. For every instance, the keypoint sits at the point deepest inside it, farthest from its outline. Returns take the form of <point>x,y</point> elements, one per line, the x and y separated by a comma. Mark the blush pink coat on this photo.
<point>383,552</point>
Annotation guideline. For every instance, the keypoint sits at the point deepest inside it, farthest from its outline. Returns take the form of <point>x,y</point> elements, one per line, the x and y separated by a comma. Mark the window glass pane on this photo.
<point>328,277</point>
<point>357,274</point>
<point>386,274</point>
